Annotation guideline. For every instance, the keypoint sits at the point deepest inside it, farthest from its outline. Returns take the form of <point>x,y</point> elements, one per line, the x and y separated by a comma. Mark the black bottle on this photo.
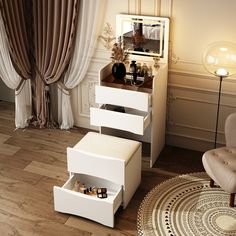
<point>133,71</point>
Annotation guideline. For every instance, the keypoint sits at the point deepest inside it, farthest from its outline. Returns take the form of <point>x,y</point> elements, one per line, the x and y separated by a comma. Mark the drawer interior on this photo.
<point>118,118</point>
<point>102,210</point>
<point>126,110</point>
<point>91,181</point>
<point>130,111</point>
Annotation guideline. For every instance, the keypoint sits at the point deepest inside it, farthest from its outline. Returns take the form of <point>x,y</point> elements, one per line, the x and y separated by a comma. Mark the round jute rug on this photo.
<point>186,205</point>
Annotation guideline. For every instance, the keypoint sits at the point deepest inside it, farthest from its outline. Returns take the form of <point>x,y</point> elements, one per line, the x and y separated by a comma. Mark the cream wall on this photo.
<point>192,92</point>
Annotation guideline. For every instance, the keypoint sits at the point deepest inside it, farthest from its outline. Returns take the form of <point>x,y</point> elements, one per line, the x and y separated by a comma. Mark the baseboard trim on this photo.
<point>191,142</point>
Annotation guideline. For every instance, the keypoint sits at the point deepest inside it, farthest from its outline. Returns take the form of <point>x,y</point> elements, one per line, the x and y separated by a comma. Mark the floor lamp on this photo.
<point>220,60</point>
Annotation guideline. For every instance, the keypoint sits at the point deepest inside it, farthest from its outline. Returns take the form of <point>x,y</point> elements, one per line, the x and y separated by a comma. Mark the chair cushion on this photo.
<point>220,165</point>
<point>109,146</point>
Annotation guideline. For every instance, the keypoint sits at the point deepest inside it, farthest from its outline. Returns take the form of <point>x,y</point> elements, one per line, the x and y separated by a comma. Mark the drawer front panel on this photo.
<point>122,97</point>
<point>118,120</point>
<point>100,166</point>
<point>90,207</point>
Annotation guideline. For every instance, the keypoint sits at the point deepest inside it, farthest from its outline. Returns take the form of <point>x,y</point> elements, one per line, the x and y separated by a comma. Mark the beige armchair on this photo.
<point>220,163</point>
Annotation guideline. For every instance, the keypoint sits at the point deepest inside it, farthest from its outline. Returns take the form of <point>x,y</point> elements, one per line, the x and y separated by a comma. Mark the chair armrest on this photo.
<point>230,130</point>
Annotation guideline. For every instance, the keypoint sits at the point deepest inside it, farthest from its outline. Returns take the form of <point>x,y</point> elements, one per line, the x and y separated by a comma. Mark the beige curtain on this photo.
<point>54,31</point>
<point>41,35</point>
<point>12,79</point>
<point>13,13</point>
<point>89,25</point>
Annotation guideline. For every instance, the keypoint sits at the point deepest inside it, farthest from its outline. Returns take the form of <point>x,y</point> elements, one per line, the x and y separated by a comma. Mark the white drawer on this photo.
<point>111,169</point>
<point>123,97</point>
<point>136,122</point>
<point>69,201</point>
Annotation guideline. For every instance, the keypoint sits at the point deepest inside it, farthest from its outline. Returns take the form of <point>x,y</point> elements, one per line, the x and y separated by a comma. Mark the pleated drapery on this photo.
<point>18,35</point>
<point>41,34</point>
<point>13,80</point>
<point>54,28</point>
<point>89,25</point>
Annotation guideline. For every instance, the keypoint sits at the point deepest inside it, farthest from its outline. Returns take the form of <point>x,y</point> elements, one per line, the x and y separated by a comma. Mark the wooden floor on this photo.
<point>33,160</point>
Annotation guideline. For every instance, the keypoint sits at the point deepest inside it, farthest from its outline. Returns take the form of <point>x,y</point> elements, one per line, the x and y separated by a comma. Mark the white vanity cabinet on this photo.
<point>144,114</point>
<point>134,112</point>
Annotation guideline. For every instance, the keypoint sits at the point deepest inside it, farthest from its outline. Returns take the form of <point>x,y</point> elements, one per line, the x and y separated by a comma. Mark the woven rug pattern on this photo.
<point>186,205</point>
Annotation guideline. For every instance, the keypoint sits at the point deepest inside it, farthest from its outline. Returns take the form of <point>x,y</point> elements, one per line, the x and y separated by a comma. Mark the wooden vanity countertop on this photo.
<point>110,81</point>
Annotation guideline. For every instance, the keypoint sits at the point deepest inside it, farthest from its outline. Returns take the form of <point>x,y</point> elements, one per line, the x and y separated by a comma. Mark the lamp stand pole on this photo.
<point>217,114</point>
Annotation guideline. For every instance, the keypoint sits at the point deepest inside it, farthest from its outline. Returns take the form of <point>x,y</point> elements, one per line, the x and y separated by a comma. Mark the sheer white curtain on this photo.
<point>89,25</point>
<point>13,81</point>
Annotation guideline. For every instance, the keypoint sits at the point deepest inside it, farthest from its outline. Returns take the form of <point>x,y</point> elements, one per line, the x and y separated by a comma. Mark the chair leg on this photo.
<point>231,199</point>
<point>211,183</point>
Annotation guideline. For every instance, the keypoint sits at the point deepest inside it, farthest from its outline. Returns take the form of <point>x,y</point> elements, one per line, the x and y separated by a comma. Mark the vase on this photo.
<point>118,70</point>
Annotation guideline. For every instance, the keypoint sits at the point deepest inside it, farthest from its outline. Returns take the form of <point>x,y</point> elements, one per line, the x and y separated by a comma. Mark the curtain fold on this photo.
<point>54,28</point>
<point>41,36</point>
<point>17,32</point>
<point>11,78</point>
<point>89,24</point>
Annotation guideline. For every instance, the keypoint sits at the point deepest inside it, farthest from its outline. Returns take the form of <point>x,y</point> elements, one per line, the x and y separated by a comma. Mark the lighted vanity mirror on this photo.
<point>143,35</point>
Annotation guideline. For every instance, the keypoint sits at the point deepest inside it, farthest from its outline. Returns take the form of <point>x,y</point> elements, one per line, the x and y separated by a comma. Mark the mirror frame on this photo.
<point>164,34</point>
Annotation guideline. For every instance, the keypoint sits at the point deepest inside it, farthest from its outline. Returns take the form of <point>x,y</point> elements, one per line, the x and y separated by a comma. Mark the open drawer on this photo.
<point>122,97</point>
<point>67,200</point>
<point>130,120</point>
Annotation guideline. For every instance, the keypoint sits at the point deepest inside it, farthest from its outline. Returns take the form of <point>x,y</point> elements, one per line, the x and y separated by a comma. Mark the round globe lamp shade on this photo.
<point>219,58</point>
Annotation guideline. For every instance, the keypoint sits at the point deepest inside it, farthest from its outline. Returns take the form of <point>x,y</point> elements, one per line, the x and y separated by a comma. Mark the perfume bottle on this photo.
<point>144,70</point>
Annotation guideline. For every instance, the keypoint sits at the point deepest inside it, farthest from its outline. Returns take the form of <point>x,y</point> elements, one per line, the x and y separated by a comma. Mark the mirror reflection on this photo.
<point>142,35</point>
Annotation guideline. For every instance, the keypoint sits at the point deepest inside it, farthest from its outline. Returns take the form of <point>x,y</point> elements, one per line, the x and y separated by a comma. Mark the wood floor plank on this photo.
<point>7,149</point>
<point>12,162</point>
<point>46,184</point>
<point>4,138</point>
<point>15,188</point>
<point>18,174</point>
<point>47,170</point>
<point>93,228</point>
<point>43,156</point>
<point>17,226</point>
